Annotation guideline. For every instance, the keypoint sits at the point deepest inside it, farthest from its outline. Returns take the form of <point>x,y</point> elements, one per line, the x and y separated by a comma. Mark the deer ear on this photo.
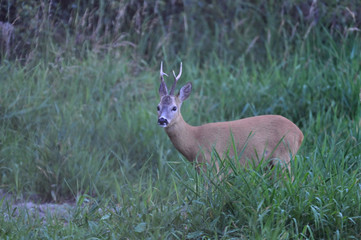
<point>163,89</point>
<point>185,91</point>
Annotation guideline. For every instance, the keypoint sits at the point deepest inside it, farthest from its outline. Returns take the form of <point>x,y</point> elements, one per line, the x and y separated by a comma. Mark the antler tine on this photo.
<point>176,78</point>
<point>161,72</point>
<point>163,87</point>
<point>180,72</point>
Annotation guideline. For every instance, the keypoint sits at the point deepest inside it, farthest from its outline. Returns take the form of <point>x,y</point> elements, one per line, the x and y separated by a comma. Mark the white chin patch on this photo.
<point>163,125</point>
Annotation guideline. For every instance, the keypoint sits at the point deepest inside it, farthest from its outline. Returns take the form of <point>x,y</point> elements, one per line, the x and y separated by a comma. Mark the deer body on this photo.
<point>262,137</point>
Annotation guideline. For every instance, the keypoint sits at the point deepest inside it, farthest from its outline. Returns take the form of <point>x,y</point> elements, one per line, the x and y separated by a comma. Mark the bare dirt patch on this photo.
<point>42,210</point>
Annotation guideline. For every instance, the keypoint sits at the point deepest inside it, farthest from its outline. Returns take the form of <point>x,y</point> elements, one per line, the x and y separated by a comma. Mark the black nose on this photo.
<point>162,121</point>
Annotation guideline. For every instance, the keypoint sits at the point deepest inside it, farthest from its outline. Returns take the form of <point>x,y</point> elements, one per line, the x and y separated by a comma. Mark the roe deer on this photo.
<point>267,137</point>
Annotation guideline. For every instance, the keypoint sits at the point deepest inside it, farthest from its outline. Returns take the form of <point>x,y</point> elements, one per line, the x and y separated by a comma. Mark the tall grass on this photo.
<point>78,124</point>
<point>86,130</point>
<point>168,29</point>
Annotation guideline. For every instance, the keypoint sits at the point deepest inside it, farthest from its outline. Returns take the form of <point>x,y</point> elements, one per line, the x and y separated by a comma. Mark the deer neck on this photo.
<point>183,138</point>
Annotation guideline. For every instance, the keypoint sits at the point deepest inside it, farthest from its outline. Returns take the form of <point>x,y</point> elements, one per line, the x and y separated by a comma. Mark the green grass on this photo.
<point>86,130</point>
<point>78,124</point>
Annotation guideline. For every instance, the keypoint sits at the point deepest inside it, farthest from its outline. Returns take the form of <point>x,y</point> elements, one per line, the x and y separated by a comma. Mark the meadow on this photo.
<point>78,119</point>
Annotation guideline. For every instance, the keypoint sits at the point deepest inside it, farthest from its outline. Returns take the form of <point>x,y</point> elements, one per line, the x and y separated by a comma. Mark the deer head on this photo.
<point>170,104</point>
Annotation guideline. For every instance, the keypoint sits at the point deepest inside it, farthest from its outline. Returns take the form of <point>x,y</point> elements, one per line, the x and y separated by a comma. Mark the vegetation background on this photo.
<point>78,93</point>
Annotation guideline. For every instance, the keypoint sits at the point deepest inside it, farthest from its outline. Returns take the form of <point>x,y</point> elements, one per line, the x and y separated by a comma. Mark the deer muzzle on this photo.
<point>163,122</point>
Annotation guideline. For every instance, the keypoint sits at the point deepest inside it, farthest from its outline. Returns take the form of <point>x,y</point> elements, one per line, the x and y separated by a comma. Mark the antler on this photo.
<point>161,72</point>
<point>176,78</point>
<point>163,86</point>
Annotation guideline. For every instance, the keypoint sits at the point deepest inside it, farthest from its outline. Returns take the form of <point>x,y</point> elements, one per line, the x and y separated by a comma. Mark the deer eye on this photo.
<point>158,108</point>
<point>174,109</point>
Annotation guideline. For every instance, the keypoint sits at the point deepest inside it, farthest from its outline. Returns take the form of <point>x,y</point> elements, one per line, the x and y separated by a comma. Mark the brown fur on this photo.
<point>261,136</point>
<point>269,137</point>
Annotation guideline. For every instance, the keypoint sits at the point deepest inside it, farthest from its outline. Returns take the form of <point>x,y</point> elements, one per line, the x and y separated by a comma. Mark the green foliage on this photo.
<point>78,122</point>
<point>169,29</point>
